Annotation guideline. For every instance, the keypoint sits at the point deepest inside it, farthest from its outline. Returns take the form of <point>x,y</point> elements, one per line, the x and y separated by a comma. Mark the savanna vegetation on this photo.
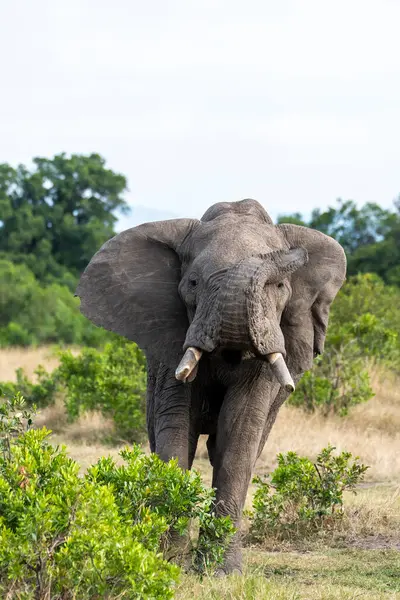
<point>56,503</point>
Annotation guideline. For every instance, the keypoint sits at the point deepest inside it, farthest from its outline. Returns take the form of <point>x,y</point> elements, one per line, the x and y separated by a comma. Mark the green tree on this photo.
<point>350,226</point>
<point>370,235</point>
<point>55,216</point>
<point>382,256</point>
<point>296,219</point>
<point>31,313</point>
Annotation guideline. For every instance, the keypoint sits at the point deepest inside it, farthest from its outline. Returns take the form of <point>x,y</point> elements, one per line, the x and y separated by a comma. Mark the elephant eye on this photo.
<point>281,284</point>
<point>192,281</point>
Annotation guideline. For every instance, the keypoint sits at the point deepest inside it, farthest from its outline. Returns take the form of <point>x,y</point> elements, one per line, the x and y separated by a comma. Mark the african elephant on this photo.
<point>230,311</point>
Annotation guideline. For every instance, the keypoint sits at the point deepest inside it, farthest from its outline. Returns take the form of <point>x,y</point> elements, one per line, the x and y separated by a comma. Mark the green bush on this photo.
<point>338,381</point>
<point>40,394</point>
<point>112,380</point>
<point>61,535</point>
<point>364,329</point>
<point>301,496</point>
<point>64,536</point>
<point>14,334</point>
<point>146,483</point>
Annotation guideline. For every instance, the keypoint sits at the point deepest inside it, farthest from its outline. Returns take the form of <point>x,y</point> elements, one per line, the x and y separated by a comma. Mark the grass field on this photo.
<point>361,560</point>
<point>319,575</point>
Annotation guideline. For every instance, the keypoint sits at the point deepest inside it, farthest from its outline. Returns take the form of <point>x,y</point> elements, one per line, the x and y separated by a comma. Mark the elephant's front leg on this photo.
<point>169,423</point>
<point>241,424</point>
<point>171,417</point>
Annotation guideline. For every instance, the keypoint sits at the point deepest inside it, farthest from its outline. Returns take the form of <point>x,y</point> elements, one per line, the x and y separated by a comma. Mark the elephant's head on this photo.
<point>231,283</point>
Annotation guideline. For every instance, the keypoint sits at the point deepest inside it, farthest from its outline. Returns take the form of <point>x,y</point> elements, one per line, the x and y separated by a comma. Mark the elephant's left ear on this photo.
<point>314,287</point>
<point>131,287</point>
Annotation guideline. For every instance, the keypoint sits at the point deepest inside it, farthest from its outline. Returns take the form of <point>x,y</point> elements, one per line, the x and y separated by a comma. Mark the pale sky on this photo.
<point>294,103</point>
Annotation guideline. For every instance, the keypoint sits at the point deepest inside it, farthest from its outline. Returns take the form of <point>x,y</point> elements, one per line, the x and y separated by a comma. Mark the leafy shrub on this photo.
<point>112,380</point>
<point>61,535</point>
<point>64,536</point>
<point>301,496</point>
<point>14,334</point>
<point>40,394</point>
<point>364,328</point>
<point>338,380</point>
<point>146,483</point>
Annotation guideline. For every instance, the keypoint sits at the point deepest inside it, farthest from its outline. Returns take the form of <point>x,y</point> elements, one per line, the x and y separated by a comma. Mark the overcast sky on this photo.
<point>294,103</point>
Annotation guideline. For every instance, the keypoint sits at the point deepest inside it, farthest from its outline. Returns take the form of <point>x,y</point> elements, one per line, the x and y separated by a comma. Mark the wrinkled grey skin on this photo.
<point>238,288</point>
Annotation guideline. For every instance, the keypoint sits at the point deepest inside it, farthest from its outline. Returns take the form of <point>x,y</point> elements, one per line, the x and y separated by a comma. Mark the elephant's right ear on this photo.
<point>131,287</point>
<point>314,286</point>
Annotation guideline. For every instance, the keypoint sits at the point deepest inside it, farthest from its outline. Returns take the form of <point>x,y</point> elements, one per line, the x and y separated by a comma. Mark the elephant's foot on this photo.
<point>224,572</point>
<point>232,564</point>
<point>177,549</point>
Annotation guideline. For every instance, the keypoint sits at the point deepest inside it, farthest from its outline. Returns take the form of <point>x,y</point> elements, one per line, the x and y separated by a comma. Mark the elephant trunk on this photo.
<point>232,305</point>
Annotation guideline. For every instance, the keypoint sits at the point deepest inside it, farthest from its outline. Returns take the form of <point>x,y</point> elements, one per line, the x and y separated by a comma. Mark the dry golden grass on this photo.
<point>27,358</point>
<point>84,438</point>
<point>372,518</point>
<point>88,454</point>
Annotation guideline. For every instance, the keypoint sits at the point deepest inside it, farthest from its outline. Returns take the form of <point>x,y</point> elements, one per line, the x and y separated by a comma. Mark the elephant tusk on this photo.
<point>281,371</point>
<point>187,368</point>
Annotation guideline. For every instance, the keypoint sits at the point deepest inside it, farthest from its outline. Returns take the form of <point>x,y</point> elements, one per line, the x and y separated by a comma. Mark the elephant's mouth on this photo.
<point>187,368</point>
<point>234,357</point>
